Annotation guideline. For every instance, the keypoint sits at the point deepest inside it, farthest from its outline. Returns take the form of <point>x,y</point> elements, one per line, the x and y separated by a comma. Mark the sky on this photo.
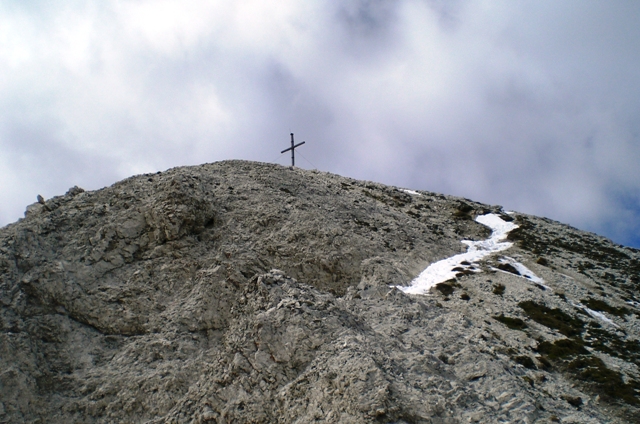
<point>532,105</point>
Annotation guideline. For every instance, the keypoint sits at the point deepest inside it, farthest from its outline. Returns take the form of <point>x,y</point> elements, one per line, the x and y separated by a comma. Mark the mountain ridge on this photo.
<point>249,292</point>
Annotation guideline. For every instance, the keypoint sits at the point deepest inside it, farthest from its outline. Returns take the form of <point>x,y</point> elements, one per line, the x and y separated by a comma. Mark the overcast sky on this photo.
<point>533,105</point>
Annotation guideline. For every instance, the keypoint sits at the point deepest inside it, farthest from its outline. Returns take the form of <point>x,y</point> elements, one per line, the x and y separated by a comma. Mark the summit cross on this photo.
<point>293,149</point>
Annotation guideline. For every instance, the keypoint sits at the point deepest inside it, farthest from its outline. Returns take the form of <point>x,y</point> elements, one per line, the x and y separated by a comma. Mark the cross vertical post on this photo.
<point>292,148</point>
<point>293,153</point>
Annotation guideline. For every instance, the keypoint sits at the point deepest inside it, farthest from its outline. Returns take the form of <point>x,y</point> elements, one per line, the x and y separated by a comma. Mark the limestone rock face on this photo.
<point>247,292</point>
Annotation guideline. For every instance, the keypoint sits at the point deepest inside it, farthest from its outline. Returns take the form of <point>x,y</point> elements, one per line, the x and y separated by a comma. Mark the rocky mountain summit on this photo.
<point>249,292</point>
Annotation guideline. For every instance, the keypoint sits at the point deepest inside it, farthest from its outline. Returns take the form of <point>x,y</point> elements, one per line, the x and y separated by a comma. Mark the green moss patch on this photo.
<point>612,344</point>
<point>393,199</point>
<point>542,261</point>
<point>544,363</point>
<point>499,289</point>
<point>602,306</point>
<point>445,289</point>
<point>607,383</point>
<point>574,401</point>
<point>506,217</point>
<point>561,349</point>
<point>597,251</point>
<point>525,361</point>
<point>553,318</point>
<point>571,356</point>
<point>463,211</point>
<point>512,323</point>
<point>508,268</point>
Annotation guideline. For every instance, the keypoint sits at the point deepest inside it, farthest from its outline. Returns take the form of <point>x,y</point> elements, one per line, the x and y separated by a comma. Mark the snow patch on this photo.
<point>633,303</point>
<point>595,314</point>
<point>413,193</point>
<point>524,271</point>
<point>447,269</point>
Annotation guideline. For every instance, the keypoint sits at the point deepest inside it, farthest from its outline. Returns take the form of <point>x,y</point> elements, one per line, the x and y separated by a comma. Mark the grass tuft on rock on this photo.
<point>553,318</point>
<point>602,306</point>
<point>507,267</point>
<point>612,344</point>
<point>525,361</point>
<point>607,383</point>
<point>571,356</point>
<point>574,401</point>
<point>445,289</point>
<point>512,323</point>
<point>542,261</point>
<point>562,348</point>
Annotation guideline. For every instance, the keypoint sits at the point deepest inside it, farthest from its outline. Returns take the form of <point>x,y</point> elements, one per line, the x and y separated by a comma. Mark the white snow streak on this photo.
<point>595,314</point>
<point>523,270</point>
<point>414,193</point>
<point>444,270</point>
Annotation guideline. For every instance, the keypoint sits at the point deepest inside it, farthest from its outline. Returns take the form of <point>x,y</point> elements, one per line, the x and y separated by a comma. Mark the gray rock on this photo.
<point>248,292</point>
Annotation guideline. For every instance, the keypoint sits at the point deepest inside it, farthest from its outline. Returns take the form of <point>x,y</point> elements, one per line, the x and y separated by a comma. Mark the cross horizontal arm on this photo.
<point>293,147</point>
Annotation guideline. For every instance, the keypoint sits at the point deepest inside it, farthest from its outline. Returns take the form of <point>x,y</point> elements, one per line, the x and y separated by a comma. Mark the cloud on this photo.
<point>530,105</point>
